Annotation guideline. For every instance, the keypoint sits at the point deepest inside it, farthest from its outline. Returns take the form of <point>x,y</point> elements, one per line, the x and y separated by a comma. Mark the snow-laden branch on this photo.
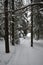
<point>32,4</point>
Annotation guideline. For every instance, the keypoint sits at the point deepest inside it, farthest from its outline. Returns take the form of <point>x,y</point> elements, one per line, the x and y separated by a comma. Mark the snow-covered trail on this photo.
<point>23,53</point>
<point>26,55</point>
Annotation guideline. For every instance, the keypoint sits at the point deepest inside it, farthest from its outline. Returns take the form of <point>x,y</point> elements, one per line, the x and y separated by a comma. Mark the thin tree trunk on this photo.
<point>38,35</point>
<point>13,23</point>
<point>31,25</point>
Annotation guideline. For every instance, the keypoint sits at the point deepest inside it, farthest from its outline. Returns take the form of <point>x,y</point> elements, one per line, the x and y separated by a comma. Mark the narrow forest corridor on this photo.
<point>21,32</point>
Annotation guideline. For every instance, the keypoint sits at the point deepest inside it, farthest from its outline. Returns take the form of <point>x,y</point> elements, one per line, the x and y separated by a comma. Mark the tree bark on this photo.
<point>6,26</point>
<point>13,23</point>
<point>31,25</point>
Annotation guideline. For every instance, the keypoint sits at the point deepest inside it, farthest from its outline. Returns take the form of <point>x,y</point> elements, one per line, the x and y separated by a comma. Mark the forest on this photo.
<point>20,17</point>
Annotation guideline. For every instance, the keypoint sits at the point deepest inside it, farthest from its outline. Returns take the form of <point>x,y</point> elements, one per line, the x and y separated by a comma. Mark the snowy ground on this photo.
<point>22,54</point>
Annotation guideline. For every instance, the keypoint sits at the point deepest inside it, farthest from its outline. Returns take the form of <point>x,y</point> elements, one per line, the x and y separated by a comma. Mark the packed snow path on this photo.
<point>23,54</point>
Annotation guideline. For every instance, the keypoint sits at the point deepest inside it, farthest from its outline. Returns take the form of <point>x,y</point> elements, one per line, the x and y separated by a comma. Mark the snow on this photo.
<point>29,35</point>
<point>23,53</point>
<point>26,2</point>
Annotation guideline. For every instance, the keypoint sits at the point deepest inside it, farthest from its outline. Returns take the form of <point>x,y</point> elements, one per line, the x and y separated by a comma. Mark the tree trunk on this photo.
<point>31,25</point>
<point>6,26</point>
<point>13,22</point>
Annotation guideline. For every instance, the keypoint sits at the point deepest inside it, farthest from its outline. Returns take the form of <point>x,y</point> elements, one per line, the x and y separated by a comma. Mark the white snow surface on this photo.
<point>23,53</point>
